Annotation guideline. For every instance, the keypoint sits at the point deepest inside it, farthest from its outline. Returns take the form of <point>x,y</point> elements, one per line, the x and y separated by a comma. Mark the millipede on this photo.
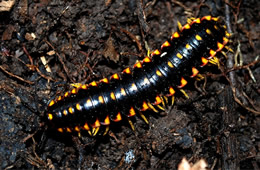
<point>149,85</point>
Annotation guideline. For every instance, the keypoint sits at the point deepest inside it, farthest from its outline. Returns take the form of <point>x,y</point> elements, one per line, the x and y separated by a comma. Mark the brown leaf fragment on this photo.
<point>110,51</point>
<point>6,5</point>
<point>7,35</point>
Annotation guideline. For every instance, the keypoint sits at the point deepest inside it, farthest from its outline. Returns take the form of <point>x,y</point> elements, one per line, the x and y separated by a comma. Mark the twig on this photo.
<point>134,39</point>
<point>130,54</point>
<point>150,3</point>
<point>241,104</point>
<point>15,76</point>
<point>187,10</point>
<point>233,69</point>
<point>230,64</point>
<point>28,55</point>
<point>243,67</point>
<point>142,17</point>
<point>44,76</point>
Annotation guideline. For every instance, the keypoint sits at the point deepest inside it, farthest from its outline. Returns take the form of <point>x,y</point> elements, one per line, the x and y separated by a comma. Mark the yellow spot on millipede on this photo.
<point>158,73</point>
<point>59,98</point>
<point>84,86</point>
<point>68,130</point>
<point>50,116</point>
<point>101,99</point>
<point>88,102</point>
<point>77,129</point>
<point>66,94</point>
<point>71,110</point>
<point>134,87</point>
<point>74,91</point>
<point>188,46</point>
<point>123,92</point>
<point>179,55</point>
<point>65,112</point>
<point>51,103</point>
<point>170,64</point>
<point>198,37</point>
<point>78,107</point>
<point>60,130</point>
<point>146,81</point>
<point>112,95</point>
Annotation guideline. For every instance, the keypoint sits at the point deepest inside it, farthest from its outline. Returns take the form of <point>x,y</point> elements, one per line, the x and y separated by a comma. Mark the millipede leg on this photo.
<point>179,25</point>
<point>148,49</point>
<point>163,103</point>
<point>185,94</point>
<point>160,107</point>
<point>151,107</point>
<point>199,77</point>
<point>89,132</point>
<point>224,54</point>
<point>229,49</point>
<point>107,129</point>
<point>142,115</point>
<point>189,20</point>
<point>95,131</point>
<point>172,100</point>
<point>166,100</point>
<point>214,60</point>
<point>77,85</point>
<point>131,124</point>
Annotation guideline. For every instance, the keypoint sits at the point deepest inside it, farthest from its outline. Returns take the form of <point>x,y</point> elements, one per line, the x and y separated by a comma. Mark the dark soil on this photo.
<point>83,41</point>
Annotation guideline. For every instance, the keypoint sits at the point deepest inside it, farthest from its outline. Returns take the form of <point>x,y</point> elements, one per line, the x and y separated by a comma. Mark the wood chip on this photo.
<point>44,62</point>
<point>50,53</point>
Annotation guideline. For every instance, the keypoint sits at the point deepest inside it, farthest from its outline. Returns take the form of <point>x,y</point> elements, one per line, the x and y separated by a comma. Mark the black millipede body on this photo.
<point>148,85</point>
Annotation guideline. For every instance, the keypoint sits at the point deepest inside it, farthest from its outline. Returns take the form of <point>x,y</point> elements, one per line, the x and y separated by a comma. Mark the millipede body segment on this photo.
<point>148,85</point>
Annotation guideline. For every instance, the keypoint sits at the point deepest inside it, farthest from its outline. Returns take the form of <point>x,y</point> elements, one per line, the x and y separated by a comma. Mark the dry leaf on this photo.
<point>6,5</point>
<point>200,165</point>
<point>110,51</point>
